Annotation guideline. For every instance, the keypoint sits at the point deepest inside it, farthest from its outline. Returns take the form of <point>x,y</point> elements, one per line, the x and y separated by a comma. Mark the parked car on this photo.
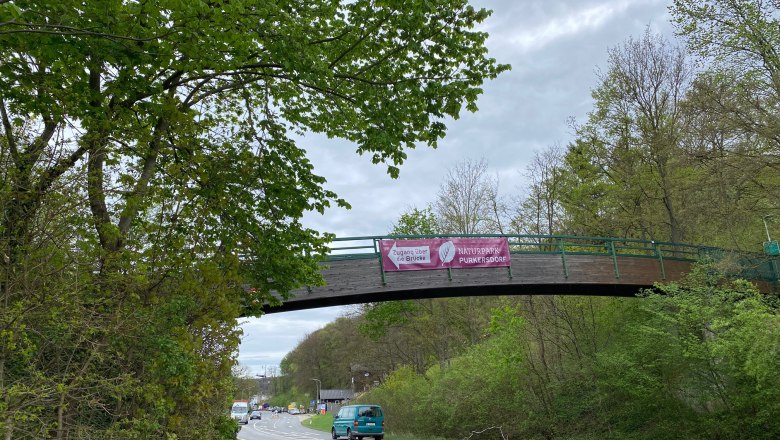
<point>256,414</point>
<point>358,421</point>
<point>293,411</point>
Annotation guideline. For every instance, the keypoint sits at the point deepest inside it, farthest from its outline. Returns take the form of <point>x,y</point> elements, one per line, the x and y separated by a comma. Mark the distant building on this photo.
<point>336,396</point>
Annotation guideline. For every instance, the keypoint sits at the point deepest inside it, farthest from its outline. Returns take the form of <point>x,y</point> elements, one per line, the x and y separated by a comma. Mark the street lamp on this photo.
<point>766,228</point>
<point>319,385</point>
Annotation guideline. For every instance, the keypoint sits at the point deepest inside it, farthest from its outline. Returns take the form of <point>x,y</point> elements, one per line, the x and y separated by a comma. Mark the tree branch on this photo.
<point>36,147</point>
<point>331,39</point>
<point>97,199</point>
<point>63,165</point>
<point>357,43</point>
<point>97,157</point>
<point>139,192</point>
<point>9,132</point>
<point>33,28</point>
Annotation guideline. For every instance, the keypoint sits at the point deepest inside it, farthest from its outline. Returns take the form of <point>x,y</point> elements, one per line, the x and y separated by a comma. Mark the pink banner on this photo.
<point>441,253</point>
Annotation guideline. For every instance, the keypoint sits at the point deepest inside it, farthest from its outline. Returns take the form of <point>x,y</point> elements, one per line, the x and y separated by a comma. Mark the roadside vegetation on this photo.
<point>690,360</point>
<point>320,422</point>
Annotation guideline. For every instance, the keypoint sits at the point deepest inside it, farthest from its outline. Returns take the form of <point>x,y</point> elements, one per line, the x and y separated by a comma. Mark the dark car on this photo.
<point>256,414</point>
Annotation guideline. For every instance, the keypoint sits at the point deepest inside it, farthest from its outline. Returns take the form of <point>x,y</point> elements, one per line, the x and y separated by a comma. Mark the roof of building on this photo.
<point>336,395</point>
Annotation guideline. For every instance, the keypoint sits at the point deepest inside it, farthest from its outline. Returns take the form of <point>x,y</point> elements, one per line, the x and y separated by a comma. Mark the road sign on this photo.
<point>444,253</point>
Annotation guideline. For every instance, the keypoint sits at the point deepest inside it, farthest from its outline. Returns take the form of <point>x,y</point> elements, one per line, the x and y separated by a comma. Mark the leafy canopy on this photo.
<point>185,112</point>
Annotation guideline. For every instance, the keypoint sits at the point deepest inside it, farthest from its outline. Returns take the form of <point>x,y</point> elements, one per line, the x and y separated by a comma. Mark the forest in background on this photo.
<point>682,145</point>
<point>691,360</point>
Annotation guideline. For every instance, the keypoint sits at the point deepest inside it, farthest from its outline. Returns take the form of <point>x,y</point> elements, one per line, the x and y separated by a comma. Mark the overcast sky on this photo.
<point>555,48</point>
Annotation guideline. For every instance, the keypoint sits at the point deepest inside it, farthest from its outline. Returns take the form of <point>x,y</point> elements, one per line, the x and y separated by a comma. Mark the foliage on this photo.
<point>692,360</point>
<point>688,352</point>
<point>404,436</point>
<point>285,399</point>
<point>379,317</point>
<point>324,355</point>
<point>151,190</point>
<point>404,399</point>
<point>633,139</point>
<point>416,222</point>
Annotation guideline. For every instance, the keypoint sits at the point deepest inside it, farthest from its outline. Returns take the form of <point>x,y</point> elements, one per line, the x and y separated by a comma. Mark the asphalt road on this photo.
<point>280,427</point>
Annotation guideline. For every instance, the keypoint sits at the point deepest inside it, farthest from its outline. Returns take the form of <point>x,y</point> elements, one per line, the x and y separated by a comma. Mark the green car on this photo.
<point>358,421</point>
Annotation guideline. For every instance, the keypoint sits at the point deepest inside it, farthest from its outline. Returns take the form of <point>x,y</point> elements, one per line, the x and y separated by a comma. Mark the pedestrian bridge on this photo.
<point>355,273</point>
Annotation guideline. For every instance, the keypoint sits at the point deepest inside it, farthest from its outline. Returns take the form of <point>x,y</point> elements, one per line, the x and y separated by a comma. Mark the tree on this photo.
<point>192,103</point>
<point>415,221</point>
<point>694,356</point>
<point>540,211</point>
<point>735,100</point>
<point>634,135</point>
<point>146,152</point>
<point>395,326</point>
<point>589,202</point>
<point>468,200</point>
<point>736,172</point>
<point>737,35</point>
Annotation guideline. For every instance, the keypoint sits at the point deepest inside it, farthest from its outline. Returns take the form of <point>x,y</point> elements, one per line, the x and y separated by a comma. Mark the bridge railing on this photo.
<point>749,265</point>
<point>368,246</point>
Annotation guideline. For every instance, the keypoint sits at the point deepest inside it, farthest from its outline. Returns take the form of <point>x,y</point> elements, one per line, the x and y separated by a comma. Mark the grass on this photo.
<point>319,422</point>
<point>324,422</point>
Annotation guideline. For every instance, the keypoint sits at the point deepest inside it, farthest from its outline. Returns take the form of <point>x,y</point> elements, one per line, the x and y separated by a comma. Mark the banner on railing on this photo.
<point>443,253</point>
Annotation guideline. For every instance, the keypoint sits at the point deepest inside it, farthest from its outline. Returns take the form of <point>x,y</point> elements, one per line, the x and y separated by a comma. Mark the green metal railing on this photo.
<point>748,265</point>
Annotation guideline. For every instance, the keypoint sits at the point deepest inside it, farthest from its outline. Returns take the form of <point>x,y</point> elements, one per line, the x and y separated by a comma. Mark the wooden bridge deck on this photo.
<point>358,278</point>
<point>360,281</point>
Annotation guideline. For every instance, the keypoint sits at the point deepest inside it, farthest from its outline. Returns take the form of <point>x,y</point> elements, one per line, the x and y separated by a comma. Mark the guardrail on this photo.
<point>748,265</point>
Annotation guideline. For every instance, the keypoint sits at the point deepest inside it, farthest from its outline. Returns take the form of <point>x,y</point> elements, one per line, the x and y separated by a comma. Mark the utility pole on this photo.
<point>317,404</point>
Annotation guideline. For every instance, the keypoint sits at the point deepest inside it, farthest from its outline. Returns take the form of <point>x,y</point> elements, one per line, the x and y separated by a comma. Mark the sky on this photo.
<point>556,48</point>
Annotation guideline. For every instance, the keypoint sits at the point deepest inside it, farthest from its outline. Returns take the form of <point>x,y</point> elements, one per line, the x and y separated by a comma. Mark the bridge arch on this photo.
<point>354,273</point>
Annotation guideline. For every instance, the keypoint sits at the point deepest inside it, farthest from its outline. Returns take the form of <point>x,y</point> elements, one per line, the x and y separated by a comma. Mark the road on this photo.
<point>280,427</point>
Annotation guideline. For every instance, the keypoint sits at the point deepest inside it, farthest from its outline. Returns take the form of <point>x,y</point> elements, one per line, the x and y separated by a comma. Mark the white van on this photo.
<point>240,412</point>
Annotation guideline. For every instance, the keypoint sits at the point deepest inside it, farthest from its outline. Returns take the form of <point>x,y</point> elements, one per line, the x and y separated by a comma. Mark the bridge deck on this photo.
<point>358,278</point>
<point>360,281</point>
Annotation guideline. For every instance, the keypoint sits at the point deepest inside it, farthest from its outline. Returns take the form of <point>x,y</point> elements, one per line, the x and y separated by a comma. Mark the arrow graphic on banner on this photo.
<point>409,255</point>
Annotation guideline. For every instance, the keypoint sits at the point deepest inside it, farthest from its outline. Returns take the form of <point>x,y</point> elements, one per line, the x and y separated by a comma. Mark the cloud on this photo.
<point>574,22</point>
<point>268,339</point>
